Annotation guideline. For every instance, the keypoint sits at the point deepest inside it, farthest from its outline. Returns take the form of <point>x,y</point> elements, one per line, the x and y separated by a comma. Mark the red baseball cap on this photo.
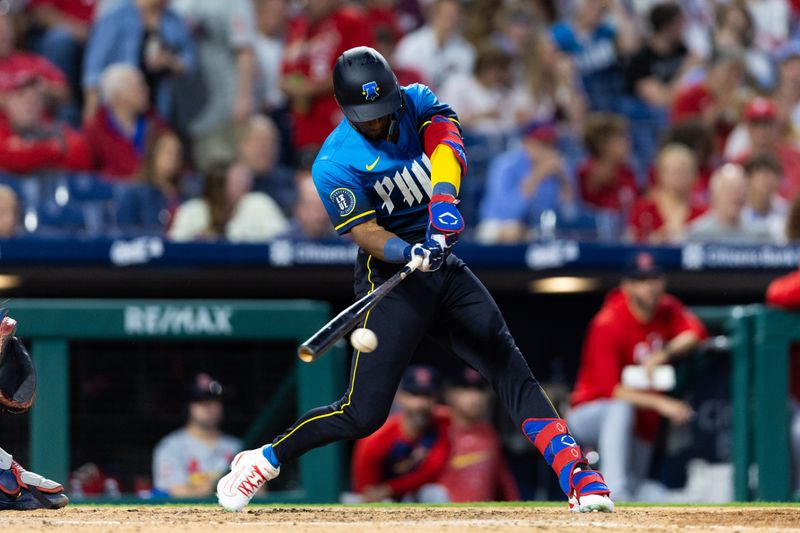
<point>17,79</point>
<point>760,109</point>
<point>541,131</point>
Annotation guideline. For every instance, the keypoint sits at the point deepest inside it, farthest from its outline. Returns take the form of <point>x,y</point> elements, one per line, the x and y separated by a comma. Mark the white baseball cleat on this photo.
<point>250,470</point>
<point>591,503</point>
<point>588,491</point>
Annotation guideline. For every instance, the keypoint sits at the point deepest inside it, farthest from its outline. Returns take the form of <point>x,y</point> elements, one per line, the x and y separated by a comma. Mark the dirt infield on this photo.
<point>408,519</point>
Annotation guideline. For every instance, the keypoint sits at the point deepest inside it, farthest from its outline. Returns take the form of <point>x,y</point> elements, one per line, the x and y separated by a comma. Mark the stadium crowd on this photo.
<point>652,121</point>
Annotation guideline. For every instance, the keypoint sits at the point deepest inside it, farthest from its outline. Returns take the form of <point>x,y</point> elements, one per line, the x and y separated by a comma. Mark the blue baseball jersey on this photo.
<point>360,180</point>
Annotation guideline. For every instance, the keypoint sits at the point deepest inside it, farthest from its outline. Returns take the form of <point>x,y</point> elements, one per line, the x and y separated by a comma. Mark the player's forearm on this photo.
<point>379,243</point>
<point>682,344</point>
<point>637,398</point>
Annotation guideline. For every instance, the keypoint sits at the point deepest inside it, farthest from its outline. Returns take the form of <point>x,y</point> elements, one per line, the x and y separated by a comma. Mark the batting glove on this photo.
<point>445,221</point>
<point>431,252</point>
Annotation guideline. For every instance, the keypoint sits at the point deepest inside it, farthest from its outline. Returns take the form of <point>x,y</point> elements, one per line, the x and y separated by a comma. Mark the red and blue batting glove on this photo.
<point>431,252</point>
<point>445,222</point>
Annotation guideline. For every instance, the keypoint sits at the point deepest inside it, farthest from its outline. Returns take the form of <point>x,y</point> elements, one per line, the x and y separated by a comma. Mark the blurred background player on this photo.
<point>476,470</point>
<point>21,490</point>
<point>639,324</point>
<point>188,461</point>
<point>403,459</point>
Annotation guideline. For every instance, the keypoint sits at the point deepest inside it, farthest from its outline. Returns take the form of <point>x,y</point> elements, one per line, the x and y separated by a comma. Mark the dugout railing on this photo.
<point>760,342</point>
<point>49,325</point>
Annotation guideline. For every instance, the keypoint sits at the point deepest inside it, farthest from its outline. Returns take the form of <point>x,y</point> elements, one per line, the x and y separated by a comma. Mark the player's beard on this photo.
<point>375,130</point>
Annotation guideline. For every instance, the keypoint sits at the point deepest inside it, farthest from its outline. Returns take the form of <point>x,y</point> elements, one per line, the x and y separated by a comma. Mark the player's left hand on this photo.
<point>431,252</point>
<point>445,222</point>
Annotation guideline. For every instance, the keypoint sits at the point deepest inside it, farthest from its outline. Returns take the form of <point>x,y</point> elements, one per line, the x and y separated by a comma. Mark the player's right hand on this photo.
<point>432,253</point>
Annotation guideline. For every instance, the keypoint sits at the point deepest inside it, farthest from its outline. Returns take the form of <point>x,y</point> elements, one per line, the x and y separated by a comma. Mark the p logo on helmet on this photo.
<point>370,90</point>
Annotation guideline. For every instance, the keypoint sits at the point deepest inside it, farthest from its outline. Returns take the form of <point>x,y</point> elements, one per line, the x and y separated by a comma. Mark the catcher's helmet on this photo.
<point>365,86</point>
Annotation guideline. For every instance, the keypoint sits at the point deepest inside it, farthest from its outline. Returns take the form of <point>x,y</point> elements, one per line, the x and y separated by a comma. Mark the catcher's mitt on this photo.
<point>17,374</point>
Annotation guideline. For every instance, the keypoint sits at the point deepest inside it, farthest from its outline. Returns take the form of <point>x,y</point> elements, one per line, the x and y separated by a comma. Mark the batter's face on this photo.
<point>374,130</point>
<point>644,294</point>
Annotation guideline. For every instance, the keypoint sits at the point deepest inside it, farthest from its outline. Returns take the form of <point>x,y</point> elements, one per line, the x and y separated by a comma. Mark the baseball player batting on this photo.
<point>389,175</point>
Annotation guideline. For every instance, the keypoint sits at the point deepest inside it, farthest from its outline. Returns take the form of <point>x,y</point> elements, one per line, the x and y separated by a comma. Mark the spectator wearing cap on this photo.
<point>218,96</point>
<point>723,220</point>
<point>606,179</point>
<point>188,462</point>
<point>14,62</point>
<point>713,99</point>
<point>764,208</point>
<point>29,141</point>
<point>596,48</point>
<point>764,136</point>
<point>488,101</point>
<point>404,458</point>
<point>638,324</point>
<point>477,470</point>
<point>522,184</point>
<point>121,128</point>
<point>314,41</point>
<point>441,42</point>
<point>662,215</point>
<point>147,35</point>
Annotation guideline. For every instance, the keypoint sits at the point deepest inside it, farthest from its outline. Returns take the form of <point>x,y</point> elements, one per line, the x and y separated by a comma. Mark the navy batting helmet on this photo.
<point>365,86</point>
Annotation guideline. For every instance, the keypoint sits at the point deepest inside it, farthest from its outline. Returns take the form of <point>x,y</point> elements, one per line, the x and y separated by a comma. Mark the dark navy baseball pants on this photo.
<point>449,307</point>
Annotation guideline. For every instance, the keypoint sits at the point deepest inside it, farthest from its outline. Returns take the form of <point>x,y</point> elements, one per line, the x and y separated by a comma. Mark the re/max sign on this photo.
<point>178,320</point>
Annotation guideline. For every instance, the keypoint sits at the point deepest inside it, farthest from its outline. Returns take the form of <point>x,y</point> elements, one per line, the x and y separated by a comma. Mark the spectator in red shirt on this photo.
<point>29,141</point>
<point>664,213</point>
<point>765,135</point>
<point>785,292</point>
<point>477,470</point>
<point>713,99</point>
<point>606,180</point>
<point>405,457</point>
<point>16,62</point>
<point>315,39</point>
<point>639,324</point>
<point>118,132</point>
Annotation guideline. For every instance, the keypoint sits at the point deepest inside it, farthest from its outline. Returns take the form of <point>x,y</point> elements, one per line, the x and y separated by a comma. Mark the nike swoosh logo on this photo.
<point>370,167</point>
